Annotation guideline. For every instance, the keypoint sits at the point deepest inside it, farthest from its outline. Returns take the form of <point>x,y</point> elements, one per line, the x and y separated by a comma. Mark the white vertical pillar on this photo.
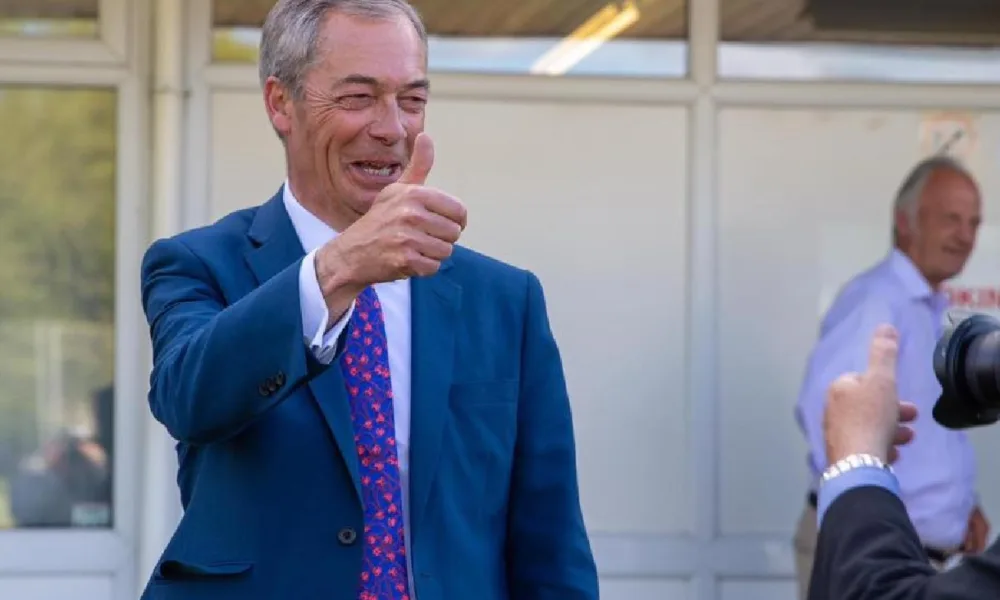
<point>702,392</point>
<point>160,505</point>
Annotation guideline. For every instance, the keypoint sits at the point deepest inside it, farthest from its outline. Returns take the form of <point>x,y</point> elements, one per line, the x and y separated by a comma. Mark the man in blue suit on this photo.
<point>364,410</point>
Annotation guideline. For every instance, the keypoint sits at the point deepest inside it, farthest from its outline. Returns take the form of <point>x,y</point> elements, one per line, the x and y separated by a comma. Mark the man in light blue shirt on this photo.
<point>935,221</point>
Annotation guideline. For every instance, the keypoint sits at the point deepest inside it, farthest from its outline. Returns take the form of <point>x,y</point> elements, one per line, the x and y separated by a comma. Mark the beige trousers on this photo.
<point>805,550</point>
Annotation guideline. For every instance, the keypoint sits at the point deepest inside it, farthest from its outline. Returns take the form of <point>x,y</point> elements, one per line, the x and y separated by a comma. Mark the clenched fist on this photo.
<point>409,229</point>
<point>863,413</point>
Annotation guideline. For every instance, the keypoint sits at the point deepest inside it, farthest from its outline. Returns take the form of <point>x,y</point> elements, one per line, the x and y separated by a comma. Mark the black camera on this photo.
<point>967,364</point>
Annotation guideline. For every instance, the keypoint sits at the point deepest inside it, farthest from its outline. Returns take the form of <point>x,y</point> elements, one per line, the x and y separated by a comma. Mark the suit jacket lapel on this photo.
<point>275,246</point>
<point>330,393</point>
<point>435,303</point>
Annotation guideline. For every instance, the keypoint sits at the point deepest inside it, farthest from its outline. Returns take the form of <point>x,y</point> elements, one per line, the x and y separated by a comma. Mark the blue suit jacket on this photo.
<point>268,472</point>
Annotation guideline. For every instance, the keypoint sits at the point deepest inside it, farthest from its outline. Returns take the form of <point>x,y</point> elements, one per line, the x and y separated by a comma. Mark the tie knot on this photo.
<point>368,299</point>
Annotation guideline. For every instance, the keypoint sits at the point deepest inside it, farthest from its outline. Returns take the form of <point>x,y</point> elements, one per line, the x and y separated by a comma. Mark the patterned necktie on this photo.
<point>365,363</point>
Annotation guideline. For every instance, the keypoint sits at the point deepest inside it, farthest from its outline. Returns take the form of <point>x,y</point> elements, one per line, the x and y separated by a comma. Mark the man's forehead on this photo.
<point>945,183</point>
<point>952,177</point>
<point>357,44</point>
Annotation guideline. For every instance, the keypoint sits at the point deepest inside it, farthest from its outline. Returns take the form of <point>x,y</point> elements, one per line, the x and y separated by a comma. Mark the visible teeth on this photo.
<point>378,172</point>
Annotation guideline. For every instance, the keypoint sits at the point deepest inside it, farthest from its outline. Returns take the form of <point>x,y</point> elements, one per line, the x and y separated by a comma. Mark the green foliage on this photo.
<point>6,520</point>
<point>51,28</point>
<point>57,204</point>
<point>229,48</point>
<point>57,257</point>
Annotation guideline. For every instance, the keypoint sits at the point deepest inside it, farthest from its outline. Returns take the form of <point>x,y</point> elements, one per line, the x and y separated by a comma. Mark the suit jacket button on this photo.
<point>272,386</point>
<point>347,536</point>
<point>264,390</point>
<point>279,379</point>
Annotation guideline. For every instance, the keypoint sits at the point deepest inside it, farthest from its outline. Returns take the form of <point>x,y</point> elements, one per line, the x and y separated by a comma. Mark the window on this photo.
<point>578,37</point>
<point>57,281</point>
<point>49,18</point>
<point>946,41</point>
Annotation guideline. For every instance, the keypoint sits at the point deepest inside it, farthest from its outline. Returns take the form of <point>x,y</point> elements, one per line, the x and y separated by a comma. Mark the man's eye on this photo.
<point>356,100</point>
<point>414,102</point>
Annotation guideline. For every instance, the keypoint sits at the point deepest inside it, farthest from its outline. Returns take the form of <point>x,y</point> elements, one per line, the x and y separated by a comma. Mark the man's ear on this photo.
<point>904,224</point>
<point>278,101</point>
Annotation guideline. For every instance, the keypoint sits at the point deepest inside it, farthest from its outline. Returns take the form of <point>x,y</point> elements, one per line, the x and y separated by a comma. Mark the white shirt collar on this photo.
<point>312,232</point>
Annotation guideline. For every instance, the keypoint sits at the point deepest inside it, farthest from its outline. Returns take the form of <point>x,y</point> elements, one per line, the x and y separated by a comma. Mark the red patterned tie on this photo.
<point>365,363</point>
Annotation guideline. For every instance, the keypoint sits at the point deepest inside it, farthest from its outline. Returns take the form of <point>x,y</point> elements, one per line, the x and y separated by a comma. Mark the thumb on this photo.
<point>421,161</point>
<point>882,357</point>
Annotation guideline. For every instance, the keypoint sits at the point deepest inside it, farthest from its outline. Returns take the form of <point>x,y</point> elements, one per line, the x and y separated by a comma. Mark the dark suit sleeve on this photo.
<point>548,552</point>
<point>217,367</point>
<point>868,550</point>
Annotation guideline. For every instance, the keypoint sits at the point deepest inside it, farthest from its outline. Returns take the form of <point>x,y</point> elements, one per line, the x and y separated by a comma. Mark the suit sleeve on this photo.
<point>548,551</point>
<point>217,367</point>
<point>868,550</point>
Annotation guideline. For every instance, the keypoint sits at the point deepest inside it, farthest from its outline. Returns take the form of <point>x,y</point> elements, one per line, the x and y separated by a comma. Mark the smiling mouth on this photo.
<point>378,168</point>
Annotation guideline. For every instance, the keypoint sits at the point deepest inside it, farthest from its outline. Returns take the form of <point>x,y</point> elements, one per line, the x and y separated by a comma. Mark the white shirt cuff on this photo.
<point>315,315</point>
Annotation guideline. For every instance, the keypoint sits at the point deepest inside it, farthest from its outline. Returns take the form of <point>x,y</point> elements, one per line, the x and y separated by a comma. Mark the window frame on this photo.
<point>108,63</point>
<point>110,47</point>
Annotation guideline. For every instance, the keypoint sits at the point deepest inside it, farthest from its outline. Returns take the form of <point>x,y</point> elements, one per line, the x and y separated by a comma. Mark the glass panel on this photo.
<point>541,37</point>
<point>939,41</point>
<point>57,282</point>
<point>49,18</point>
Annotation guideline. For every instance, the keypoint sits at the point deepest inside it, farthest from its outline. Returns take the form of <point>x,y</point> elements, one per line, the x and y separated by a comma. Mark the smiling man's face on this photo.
<point>947,222</point>
<point>362,106</point>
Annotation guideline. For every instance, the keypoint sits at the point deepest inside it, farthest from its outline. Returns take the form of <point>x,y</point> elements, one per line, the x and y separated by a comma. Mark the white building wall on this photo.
<point>687,232</point>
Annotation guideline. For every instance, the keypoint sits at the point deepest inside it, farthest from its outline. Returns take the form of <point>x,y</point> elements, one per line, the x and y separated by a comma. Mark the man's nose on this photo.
<point>388,126</point>
<point>967,234</point>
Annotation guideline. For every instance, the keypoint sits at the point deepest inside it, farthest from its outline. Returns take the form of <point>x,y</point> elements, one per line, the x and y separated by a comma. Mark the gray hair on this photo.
<point>292,29</point>
<point>912,189</point>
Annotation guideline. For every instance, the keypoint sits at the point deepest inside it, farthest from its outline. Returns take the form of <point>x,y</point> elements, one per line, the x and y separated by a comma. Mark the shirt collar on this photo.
<point>312,232</point>
<point>913,281</point>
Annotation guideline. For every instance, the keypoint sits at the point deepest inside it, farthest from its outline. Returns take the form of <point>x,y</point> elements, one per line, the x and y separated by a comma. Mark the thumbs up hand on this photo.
<point>408,231</point>
<point>863,413</point>
<point>421,161</point>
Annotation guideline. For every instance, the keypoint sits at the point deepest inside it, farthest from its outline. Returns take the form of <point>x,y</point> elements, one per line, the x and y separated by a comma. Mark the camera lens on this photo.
<point>967,364</point>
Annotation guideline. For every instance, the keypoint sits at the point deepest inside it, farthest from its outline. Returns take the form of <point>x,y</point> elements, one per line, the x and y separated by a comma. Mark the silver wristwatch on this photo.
<point>854,461</point>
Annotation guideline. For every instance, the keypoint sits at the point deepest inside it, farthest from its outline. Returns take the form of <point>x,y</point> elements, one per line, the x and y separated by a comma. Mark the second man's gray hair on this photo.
<point>292,29</point>
<point>912,189</point>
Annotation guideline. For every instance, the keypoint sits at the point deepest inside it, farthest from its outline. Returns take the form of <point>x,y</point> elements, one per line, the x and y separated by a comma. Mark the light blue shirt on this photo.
<point>935,474</point>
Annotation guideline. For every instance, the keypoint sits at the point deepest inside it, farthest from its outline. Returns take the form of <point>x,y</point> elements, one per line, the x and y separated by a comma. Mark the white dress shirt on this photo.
<point>395,300</point>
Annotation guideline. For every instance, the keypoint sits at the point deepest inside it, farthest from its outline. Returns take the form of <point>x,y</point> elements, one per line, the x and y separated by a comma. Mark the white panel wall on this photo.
<point>645,589</point>
<point>246,160</point>
<point>566,190</point>
<point>751,589</point>
<point>57,588</point>
<point>804,203</point>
